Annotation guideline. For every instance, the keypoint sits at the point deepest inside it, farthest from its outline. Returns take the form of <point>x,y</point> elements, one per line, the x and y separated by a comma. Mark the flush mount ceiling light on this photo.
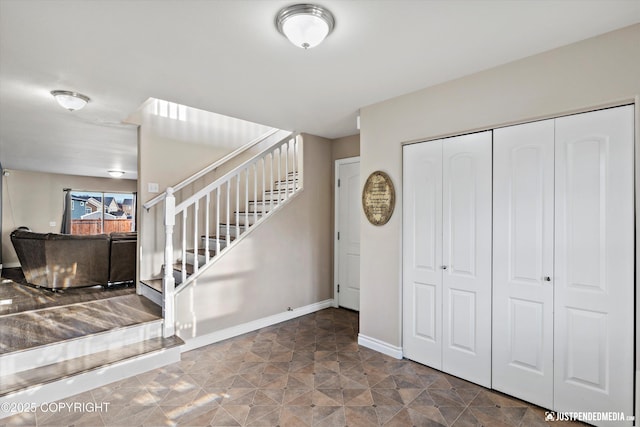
<point>305,25</point>
<point>116,173</point>
<point>70,100</point>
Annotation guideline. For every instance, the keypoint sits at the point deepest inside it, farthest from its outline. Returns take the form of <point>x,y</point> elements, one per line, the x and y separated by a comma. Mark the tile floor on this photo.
<point>308,371</point>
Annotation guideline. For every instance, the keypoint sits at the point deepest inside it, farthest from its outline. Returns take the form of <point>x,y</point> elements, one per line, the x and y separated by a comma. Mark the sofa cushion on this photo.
<point>130,235</point>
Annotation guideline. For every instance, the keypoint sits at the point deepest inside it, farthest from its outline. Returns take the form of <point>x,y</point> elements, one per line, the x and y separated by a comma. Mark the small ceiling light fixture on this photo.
<point>305,25</point>
<point>116,173</point>
<point>70,100</point>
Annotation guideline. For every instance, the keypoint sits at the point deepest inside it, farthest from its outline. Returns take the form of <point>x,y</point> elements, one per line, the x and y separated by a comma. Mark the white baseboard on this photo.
<point>254,325</point>
<point>380,346</point>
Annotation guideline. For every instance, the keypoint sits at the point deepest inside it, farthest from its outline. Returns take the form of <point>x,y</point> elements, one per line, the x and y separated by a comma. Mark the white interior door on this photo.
<point>422,253</point>
<point>466,264</point>
<point>523,183</point>
<point>594,262</point>
<point>348,227</point>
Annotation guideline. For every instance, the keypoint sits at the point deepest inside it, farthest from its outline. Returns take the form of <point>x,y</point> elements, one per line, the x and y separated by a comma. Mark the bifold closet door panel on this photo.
<point>594,261</point>
<point>422,253</point>
<point>466,283</point>
<point>523,196</point>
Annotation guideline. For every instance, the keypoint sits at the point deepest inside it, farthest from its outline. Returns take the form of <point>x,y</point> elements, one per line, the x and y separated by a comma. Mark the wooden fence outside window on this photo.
<point>93,226</point>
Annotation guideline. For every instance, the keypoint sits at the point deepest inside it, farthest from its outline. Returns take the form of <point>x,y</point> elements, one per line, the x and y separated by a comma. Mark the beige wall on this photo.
<point>168,161</point>
<point>285,262</point>
<point>35,199</point>
<point>592,73</point>
<point>348,146</point>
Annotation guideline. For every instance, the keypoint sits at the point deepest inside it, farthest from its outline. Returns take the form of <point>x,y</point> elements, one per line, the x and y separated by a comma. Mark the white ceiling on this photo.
<point>226,56</point>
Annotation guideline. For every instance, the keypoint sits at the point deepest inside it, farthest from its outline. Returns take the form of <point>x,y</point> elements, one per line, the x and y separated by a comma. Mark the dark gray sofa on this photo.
<point>58,261</point>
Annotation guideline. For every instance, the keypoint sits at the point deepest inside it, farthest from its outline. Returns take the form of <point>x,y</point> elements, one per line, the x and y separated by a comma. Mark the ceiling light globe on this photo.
<point>116,173</point>
<point>305,31</point>
<point>305,25</point>
<point>70,100</point>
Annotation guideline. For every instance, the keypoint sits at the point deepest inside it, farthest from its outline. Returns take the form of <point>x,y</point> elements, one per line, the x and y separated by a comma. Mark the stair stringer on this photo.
<point>278,271</point>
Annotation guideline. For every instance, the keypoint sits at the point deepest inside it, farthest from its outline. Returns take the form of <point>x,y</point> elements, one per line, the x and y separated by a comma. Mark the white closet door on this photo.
<point>466,242</point>
<point>594,262</point>
<point>422,253</point>
<point>522,259</point>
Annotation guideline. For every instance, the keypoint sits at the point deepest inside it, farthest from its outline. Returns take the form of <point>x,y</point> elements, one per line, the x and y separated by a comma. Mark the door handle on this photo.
<point>444,267</point>
<point>547,278</point>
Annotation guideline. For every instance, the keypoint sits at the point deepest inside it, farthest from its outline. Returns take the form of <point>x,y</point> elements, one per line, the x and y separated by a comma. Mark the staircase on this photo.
<point>201,228</point>
<point>55,352</point>
<point>90,344</point>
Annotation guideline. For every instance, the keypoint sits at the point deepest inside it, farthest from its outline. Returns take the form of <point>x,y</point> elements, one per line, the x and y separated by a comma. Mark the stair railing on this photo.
<point>212,167</point>
<point>269,179</point>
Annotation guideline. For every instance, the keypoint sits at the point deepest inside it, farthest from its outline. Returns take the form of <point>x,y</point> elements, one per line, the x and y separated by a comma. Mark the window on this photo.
<point>103,212</point>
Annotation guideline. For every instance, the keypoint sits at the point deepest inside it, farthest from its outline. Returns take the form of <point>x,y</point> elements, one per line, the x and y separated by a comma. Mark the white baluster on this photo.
<point>168,281</point>
<point>246,197</point>
<point>196,260</point>
<point>206,228</point>
<point>279,173</point>
<point>295,169</point>
<point>217,220</point>
<point>228,185</point>
<point>271,185</point>
<point>255,189</point>
<point>286,170</point>
<point>183,249</point>
<point>238,205</point>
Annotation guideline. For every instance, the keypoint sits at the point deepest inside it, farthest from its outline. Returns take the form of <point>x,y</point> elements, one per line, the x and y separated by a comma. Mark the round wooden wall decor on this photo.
<point>378,198</point>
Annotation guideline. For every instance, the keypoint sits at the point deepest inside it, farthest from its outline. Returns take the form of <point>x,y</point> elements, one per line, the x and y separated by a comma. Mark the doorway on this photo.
<point>347,234</point>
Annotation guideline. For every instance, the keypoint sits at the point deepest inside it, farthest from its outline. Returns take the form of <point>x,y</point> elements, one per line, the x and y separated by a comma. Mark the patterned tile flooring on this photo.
<point>308,371</point>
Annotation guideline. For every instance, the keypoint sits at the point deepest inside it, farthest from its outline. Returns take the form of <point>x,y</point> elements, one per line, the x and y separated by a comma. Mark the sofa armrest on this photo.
<point>122,259</point>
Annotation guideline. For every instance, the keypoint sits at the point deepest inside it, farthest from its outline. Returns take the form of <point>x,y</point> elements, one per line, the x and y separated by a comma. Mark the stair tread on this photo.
<point>281,190</point>
<point>178,267</point>
<point>69,368</point>
<point>250,213</point>
<point>202,251</point>
<point>220,236</point>
<point>91,317</point>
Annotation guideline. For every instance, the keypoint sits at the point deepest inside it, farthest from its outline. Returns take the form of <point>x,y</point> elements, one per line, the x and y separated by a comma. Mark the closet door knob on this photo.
<point>547,278</point>
<point>444,267</point>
